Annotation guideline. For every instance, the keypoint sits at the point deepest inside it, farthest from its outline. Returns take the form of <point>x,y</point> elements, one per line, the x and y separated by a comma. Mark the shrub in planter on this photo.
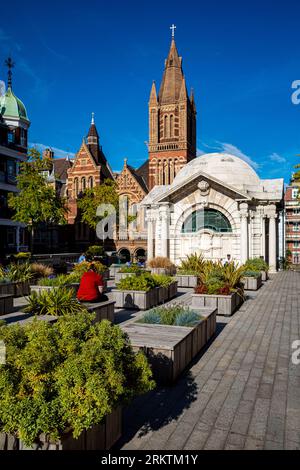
<point>144,282</point>
<point>66,377</point>
<point>83,267</point>
<point>255,274</point>
<point>172,315</point>
<point>22,256</point>
<point>60,280</point>
<point>131,269</point>
<point>163,280</point>
<point>94,251</point>
<point>194,264</point>
<point>56,302</point>
<point>256,264</point>
<point>18,272</point>
<point>160,262</point>
<point>40,270</point>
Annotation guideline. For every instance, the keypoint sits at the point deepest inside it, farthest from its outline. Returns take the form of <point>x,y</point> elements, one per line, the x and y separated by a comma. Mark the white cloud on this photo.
<point>275,157</point>
<point>233,150</point>
<point>57,152</point>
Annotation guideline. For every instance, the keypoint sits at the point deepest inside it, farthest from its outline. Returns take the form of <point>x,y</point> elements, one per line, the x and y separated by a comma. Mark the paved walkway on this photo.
<point>242,393</point>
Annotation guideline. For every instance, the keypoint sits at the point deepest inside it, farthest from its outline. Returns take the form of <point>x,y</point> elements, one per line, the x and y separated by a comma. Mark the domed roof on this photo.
<point>12,106</point>
<point>227,168</point>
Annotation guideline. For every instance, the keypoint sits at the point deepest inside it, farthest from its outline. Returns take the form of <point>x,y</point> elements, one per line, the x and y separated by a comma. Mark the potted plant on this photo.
<point>162,265</point>
<point>258,264</point>
<point>171,336</point>
<point>219,286</point>
<point>15,279</point>
<point>63,384</point>
<point>167,287</point>
<point>189,270</point>
<point>127,271</point>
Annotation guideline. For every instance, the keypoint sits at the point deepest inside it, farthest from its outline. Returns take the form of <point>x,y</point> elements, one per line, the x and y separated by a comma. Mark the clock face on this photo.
<point>2,88</point>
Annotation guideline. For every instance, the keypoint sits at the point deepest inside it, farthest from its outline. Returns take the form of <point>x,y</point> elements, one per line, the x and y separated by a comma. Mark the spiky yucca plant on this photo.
<point>194,264</point>
<point>57,302</point>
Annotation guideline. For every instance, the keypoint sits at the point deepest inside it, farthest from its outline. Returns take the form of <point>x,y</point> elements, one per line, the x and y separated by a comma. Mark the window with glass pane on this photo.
<point>206,219</point>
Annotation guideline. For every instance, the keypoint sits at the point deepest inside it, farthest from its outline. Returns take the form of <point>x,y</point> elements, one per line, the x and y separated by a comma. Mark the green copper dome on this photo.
<point>11,106</point>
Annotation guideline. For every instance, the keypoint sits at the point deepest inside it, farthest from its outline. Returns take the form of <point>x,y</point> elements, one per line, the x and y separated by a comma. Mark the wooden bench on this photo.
<point>6,303</point>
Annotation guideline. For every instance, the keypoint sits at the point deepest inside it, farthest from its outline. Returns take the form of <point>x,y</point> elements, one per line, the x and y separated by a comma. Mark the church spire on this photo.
<point>153,95</point>
<point>10,65</point>
<point>172,77</point>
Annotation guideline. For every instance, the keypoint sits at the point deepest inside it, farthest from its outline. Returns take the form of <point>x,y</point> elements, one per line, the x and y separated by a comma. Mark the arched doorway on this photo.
<point>140,255</point>
<point>124,255</point>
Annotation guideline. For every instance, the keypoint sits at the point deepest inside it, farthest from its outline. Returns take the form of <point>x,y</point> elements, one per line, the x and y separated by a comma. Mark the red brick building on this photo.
<point>90,168</point>
<point>292,222</point>
<point>172,123</point>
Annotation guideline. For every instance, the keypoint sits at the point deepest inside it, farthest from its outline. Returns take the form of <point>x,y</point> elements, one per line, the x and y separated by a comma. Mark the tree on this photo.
<point>105,193</point>
<point>296,175</point>
<point>36,201</point>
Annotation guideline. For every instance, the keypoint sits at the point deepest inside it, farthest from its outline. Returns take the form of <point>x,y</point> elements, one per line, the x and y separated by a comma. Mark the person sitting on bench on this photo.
<point>91,286</point>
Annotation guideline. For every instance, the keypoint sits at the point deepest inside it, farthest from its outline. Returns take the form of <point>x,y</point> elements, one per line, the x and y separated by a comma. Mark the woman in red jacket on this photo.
<point>91,286</point>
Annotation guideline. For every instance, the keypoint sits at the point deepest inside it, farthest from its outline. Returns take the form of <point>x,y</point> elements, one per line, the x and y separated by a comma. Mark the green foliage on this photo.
<point>255,274</point>
<point>256,264</point>
<point>162,280</point>
<point>36,200</point>
<point>187,318</point>
<point>94,250</point>
<point>192,265</point>
<point>144,282</point>
<point>22,255</point>
<point>131,269</point>
<point>105,193</point>
<point>17,272</point>
<point>60,280</point>
<point>171,315</point>
<point>83,267</point>
<point>67,375</point>
<point>57,302</point>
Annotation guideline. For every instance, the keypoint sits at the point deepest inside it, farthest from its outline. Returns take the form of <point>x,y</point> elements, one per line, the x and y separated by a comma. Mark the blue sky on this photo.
<point>74,57</point>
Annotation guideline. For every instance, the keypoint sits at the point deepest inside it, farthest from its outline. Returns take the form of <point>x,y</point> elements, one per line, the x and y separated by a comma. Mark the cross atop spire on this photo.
<point>93,118</point>
<point>173,27</point>
<point>10,65</point>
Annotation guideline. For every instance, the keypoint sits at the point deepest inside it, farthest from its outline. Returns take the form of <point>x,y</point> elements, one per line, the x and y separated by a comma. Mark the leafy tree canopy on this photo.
<point>105,193</point>
<point>36,200</point>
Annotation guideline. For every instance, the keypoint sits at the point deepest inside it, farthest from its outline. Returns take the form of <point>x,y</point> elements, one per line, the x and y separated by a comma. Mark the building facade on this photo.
<point>217,205</point>
<point>14,125</point>
<point>172,123</point>
<point>131,236</point>
<point>89,169</point>
<point>292,222</point>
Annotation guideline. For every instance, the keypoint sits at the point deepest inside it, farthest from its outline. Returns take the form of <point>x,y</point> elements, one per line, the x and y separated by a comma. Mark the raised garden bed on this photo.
<point>225,304</point>
<point>103,310</point>
<point>74,286</point>
<point>264,276</point>
<point>99,437</point>
<point>186,280</point>
<point>6,303</point>
<point>165,271</point>
<point>173,290</point>
<point>115,268</point>
<point>170,349</point>
<point>131,299</point>
<point>17,288</point>
<point>252,283</point>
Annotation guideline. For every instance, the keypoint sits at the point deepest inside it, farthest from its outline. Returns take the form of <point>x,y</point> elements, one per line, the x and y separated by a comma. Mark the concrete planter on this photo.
<point>170,349</point>
<point>165,271</point>
<point>264,276</point>
<point>172,290</point>
<point>17,289</point>
<point>225,304</point>
<point>163,294</point>
<point>252,283</point>
<point>100,437</point>
<point>186,280</point>
<point>6,304</point>
<point>74,286</point>
<point>103,310</point>
<point>115,268</point>
<point>132,299</point>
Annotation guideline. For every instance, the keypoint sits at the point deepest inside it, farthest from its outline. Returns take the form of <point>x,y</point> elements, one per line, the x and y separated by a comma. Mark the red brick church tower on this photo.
<point>172,123</point>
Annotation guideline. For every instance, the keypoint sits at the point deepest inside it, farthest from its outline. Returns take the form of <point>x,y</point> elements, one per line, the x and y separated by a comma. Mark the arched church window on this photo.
<point>83,184</point>
<point>76,187</point>
<point>206,219</point>
<point>91,182</point>
<point>171,125</point>
<point>166,133</point>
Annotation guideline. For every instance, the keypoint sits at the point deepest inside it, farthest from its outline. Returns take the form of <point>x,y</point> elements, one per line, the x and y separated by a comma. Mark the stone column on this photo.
<point>150,234</point>
<point>244,232</point>
<point>263,231</point>
<point>164,217</point>
<point>272,238</point>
